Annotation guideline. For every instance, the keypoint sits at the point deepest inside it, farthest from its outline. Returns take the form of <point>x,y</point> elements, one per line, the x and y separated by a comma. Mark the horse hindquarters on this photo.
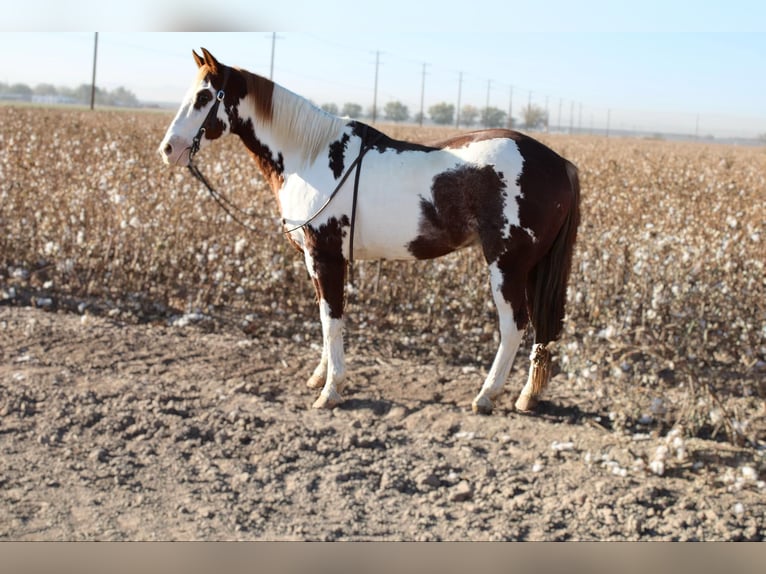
<point>532,289</point>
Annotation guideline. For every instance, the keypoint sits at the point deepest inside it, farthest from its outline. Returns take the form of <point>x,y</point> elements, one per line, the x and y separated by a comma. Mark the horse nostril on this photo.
<point>168,150</point>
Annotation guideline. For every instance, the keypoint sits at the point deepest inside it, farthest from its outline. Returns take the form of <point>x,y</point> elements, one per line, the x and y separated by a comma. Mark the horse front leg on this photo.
<point>328,274</point>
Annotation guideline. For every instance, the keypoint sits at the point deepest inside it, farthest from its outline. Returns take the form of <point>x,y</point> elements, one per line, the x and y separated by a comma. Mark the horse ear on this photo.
<point>211,62</point>
<point>198,59</point>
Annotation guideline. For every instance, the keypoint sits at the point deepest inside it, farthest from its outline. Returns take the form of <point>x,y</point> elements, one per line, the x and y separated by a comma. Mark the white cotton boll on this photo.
<point>749,473</point>
<point>657,467</point>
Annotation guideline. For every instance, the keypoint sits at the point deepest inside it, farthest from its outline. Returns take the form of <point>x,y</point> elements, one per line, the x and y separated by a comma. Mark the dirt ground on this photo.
<point>191,429</point>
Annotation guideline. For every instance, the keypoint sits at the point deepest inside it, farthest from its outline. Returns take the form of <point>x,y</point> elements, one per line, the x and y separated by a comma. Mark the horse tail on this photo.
<point>548,279</point>
<point>546,295</point>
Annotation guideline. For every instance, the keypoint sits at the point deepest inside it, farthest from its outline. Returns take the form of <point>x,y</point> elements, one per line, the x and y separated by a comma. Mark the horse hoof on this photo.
<point>328,401</point>
<point>526,403</point>
<point>315,382</point>
<point>482,406</point>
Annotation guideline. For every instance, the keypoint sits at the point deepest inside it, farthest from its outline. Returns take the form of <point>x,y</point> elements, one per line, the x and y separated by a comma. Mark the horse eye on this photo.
<point>203,98</point>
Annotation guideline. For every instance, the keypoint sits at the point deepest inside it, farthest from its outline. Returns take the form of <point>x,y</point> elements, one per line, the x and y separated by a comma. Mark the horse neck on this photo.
<point>289,135</point>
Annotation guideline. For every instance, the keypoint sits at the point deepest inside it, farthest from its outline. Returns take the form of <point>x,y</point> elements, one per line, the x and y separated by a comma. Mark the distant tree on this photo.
<point>21,90</point>
<point>418,118</point>
<point>352,110</point>
<point>534,117</point>
<point>330,108</point>
<point>492,117</point>
<point>396,112</point>
<point>81,94</point>
<point>468,115</point>
<point>45,90</point>
<point>762,138</point>
<point>442,113</point>
<point>123,97</point>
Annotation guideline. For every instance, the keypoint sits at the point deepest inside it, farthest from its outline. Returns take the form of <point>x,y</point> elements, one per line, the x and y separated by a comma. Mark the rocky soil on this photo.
<point>191,429</point>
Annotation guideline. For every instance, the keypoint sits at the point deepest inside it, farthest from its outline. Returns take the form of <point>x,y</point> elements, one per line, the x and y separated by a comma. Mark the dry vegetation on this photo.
<point>667,312</point>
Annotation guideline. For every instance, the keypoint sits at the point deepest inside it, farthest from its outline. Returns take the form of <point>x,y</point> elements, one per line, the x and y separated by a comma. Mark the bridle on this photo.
<point>222,202</point>
<point>227,205</point>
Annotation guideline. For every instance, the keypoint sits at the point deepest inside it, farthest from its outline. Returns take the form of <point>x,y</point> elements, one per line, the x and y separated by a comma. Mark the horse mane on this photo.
<point>293,120</point>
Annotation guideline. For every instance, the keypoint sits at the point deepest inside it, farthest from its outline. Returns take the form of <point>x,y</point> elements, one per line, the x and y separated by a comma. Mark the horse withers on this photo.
<point>347,191</point>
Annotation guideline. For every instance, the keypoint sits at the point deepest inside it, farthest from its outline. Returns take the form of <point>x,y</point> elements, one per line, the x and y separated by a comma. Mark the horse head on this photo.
<point>201,117</point>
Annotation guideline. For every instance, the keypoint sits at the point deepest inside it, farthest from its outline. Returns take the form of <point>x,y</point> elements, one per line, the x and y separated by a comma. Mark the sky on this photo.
<point>658,66</point>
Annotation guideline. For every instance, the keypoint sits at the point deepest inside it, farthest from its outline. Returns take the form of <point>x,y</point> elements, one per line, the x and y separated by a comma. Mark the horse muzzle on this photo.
<point>175,151</point>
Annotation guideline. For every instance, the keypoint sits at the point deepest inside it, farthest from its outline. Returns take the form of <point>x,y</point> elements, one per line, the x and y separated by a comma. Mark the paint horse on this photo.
<point>514,197</point>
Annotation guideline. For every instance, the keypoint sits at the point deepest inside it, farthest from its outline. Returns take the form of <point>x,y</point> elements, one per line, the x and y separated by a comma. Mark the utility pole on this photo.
<point>486,108</point>
<point>93,81</point>
<point>459,93</point>
<point>375,93</point>
<point>571,117</point>
<point>608,121</point>
<point>558,127</point>
<point>273,46</point>
<point>510,109</point>
<point>547,98</point>
<point>422,92</point>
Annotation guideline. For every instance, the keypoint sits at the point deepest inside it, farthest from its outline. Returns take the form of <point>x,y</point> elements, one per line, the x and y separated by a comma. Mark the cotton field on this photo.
<point>667,301</point>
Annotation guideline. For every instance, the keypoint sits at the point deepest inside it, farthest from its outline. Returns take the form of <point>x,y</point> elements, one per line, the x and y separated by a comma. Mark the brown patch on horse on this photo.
<point>383,142</point>
<point>466,206</point>
<point>261,90</point>
<point>337,155</point>
<point>325,245</point>
<point>271,167</point>
<point>466,139</point>
<point>241,84</point>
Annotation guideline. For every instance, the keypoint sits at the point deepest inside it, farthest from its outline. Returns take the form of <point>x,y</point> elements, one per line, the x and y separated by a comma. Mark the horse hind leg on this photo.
<point>511,310</point>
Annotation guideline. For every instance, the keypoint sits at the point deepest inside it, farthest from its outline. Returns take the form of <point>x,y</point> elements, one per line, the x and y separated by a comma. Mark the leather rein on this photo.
<point>228,206</point>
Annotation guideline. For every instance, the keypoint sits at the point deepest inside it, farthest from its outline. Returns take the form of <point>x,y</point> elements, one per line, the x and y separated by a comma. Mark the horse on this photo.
<point>504,191</point>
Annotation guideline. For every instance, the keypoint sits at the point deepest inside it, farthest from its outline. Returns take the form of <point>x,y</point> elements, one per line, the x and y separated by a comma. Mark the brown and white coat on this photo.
<point>498,189</point>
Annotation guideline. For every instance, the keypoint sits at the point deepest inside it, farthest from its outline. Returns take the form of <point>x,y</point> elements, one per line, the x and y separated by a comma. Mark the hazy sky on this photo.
<point>659,66</point>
